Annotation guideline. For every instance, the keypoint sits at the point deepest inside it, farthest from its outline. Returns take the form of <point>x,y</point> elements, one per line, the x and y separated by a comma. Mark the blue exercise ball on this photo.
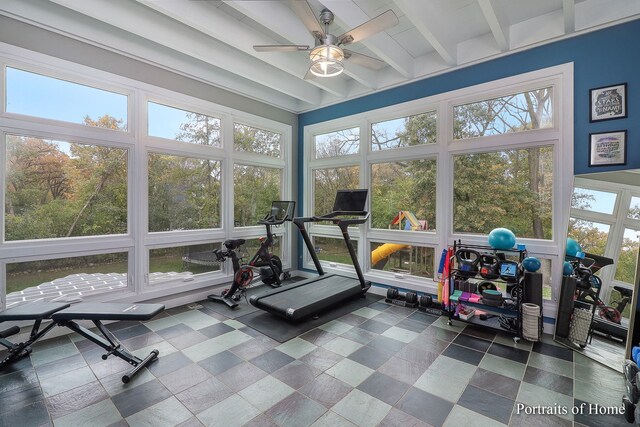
<point>567,269</point>
<point>531,264</point>
<point>502,238</point>
<point>573,247</point>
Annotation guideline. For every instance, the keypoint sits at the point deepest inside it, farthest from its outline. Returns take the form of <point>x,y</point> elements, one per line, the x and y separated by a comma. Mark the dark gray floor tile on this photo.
<point>486,403</point>
<point>169,363</point>
<point>379,306</point>
<point>141,341</point>
<point>123,423</point>
<point>261,421</point>
<point>441,333</point>
<point>359,335</point>
<point>34,414</point>
<point>412,325</point>
<point>370,357</point>
<point>398,309</point>
<point>272,360</point>
<point>296,374</point>
<point>78,398</point>
<point>388,345</point>
<point>215,330</point>
<point>123,324</point>
<point>421,317</point>
<point>592,417</point>
<point>61,366</point>
<point>253,348</point>
<point>20,396</point>
<point>352,319</point>
<point>321,358</point>
<point>326,390</point>
<point>112,365</point>
<point>480,332</point>
<point>241,376</point>
<point>296,411</point>
<point>174,331</point>
<point>16,365</point>
<point>385,388</point>
<point>472,342</point>
<point>510,353</point>
<point>549,380</point>
<point>374,326</point>
<point>318,336</point>
<point>133,331</point>
<point>177,310</point>
<point>204,395</point>
<point>187,340</point>
<point>463,354</point>
<point>184,378</point>
<point>425,406</point>
<point>220,362</point>
<point>495,383</point>
<point>389,317</point>
<point>140,397</point>
<point>553,350</point>
<point>402,370</point>
<point>418,355</point>
<point>397,418</point>
<point>430,343</point>
<point>19,379</point>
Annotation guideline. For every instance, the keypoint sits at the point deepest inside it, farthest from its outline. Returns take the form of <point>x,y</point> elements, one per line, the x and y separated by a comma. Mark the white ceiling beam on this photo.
<point>496,29</point>
<point>569,11</point>
<point>348,15</point>
<point>418,14</point>
<point>76,26</point>
<point>289,26</point>
<point>131,17</point>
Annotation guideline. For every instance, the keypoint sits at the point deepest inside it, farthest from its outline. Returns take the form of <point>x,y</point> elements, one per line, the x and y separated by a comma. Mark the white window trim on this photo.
<point>138,241</point>
<point>560,136</point>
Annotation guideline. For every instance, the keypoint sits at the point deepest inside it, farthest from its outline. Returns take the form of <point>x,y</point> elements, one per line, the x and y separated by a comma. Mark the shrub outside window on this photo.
<point>254,188</point>
<point>255,140</point>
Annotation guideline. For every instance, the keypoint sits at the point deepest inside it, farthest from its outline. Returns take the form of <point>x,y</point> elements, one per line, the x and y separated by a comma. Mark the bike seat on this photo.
<point>233,243</point>
<point>625,292</point>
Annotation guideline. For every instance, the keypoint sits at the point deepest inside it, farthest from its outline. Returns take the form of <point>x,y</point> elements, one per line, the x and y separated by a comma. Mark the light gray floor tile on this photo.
<point>170,412</point>
<point>362,409</point>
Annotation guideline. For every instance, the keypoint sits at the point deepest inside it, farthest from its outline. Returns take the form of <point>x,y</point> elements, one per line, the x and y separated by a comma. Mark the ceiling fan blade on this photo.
<point>309,75</point>
<point>364,60</point>
<point>308,17</point>
<point>380,23</point>
<point>280,47</point>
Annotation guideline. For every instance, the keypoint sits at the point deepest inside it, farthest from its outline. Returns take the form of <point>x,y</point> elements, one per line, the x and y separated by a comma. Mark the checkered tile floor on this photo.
<point>380,365</point>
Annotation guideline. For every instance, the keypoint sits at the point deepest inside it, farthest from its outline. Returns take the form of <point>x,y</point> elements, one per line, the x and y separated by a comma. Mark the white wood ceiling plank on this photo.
<point>494,23</point>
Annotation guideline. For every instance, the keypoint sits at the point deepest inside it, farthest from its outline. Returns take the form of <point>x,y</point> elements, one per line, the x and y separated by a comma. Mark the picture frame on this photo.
<point>608,103</point>
<point>608,148</point>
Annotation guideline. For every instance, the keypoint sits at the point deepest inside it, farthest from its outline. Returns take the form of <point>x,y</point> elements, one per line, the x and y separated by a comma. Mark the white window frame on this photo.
<point>560,136</point>
<point>138,241</point>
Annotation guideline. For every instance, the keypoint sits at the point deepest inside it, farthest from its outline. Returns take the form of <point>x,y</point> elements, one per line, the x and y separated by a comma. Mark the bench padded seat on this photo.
<point>108,311</point>
<point>32,311</point>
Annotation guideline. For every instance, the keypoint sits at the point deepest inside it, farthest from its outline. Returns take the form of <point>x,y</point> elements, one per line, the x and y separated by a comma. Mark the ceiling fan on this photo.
<point>328,54</point>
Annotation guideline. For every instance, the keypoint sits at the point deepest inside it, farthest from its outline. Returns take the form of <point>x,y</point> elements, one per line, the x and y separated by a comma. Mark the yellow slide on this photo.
<point>384,251</point>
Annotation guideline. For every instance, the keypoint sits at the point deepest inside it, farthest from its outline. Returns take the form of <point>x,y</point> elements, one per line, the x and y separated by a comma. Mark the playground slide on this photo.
<point>383,252</point>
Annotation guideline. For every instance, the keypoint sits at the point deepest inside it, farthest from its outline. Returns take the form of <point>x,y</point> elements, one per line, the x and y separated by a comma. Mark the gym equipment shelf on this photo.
<point>501,274</point>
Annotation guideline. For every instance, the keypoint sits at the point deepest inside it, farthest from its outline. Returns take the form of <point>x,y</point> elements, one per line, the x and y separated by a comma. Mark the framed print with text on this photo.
<point>608,148</point>
<point>607,103</point>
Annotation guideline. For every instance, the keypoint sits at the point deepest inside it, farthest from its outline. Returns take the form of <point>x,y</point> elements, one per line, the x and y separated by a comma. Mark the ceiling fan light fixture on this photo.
<point>326,60</point>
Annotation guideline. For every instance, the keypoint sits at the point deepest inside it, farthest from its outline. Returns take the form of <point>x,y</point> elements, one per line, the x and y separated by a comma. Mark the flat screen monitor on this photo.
<point>351,200</point>
<point>508,269</point>
<point>282,210</point>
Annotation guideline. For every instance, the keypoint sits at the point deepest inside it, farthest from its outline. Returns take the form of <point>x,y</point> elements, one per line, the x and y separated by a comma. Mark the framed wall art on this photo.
<point>608,148</point>
<point>608,102</point>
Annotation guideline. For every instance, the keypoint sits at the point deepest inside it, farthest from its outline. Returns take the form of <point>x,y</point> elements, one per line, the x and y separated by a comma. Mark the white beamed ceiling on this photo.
<point>212,40</point>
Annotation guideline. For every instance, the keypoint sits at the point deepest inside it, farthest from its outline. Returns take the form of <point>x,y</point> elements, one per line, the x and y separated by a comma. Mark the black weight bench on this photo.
<point>66,315</point>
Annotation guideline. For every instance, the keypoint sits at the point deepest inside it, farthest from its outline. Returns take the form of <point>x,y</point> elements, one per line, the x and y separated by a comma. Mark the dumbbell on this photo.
<point>428,305</point>
<point>404,299</point>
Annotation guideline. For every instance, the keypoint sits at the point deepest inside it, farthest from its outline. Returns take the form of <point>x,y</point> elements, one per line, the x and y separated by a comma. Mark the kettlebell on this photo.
<point>468,260</point>
<point>489,267</point>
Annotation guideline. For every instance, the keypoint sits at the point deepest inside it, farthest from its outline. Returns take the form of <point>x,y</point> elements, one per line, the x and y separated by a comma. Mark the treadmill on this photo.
<point>310,297</point>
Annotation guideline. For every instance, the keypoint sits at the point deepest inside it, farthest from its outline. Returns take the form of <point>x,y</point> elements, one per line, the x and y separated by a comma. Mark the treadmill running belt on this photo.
<point>309,297</point>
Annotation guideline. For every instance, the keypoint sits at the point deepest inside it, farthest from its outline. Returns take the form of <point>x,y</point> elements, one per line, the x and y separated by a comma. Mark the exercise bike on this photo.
<point>269,266</point>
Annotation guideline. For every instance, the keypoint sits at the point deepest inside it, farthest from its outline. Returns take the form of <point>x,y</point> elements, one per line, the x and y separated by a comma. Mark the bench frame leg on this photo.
<point>19,350</point>
<point>113,347</point>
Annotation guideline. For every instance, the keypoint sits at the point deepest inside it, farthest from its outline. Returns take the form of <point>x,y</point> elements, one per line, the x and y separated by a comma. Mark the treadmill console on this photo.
<point>350,201</point>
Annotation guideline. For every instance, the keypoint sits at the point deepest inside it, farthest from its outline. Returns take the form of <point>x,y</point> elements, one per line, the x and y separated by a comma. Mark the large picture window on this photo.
<point>255,140</point>
<point>403,195</point>
<point>63,189</point>
<point>254,188</point>
<point>338,143</point>
<point>511,189</point>
<point>327,182</point>
<point>180,125</point>
<point>184,193</point>
<point>506,114</point>
<point>37,95</point>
